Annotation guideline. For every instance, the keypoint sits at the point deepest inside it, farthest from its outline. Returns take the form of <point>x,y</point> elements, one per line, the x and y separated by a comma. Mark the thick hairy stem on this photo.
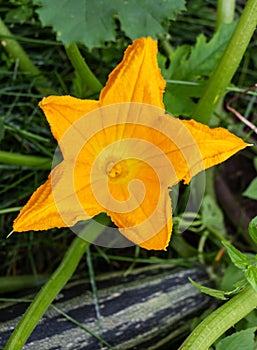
<point>228,63</point>
<point>221,320</point>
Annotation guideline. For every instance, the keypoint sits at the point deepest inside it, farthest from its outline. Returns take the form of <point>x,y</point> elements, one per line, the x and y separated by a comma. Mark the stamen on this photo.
<point>114,169</point>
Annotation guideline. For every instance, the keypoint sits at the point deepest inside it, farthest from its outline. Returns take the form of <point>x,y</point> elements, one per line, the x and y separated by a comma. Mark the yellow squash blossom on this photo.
<point>122,154</point>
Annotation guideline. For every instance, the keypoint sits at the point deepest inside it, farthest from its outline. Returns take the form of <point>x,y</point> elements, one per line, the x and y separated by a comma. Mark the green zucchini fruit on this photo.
<point>141,310</point>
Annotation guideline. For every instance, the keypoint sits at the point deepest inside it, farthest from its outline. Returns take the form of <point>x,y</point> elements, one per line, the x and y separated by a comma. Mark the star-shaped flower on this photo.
<point>121,154</point>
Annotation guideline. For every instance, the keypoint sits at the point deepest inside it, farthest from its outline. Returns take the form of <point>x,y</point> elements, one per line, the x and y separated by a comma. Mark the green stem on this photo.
<point>210,329</point>
<point>228,63</point>
<point>15,50</point>
<point>167,47</point>
<point>26,161</point>
<point>225,12</point>
<point>11,284</point>
<point>89,82</point>
<point>9,210</point>
<point>51,289</point>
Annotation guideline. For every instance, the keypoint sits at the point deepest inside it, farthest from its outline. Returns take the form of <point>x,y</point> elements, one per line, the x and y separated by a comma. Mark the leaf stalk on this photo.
<point>219,321</point>
<point>18,159</point>
<point>88,80</point>
<point>228,64</point>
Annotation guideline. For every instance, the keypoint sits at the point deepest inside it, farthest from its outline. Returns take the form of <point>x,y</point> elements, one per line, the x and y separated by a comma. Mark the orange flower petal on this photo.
<point>54,204</point>
<point>143,211</point>
<point>215,146</point>
<point>84,189</point>
<point>40,212</point>
<point>63,111</point>
<point>161,240</point>
<point>149,232</point>
<point>137,78</point>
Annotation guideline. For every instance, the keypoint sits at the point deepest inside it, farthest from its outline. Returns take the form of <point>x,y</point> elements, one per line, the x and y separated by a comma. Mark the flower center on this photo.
<point>114,170</point>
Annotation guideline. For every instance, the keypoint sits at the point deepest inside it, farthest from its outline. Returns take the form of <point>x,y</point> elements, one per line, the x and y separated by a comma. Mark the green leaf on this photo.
<point>253,229</point>
<point>19,15</point>
<point>205,55</point>
<point>177,97</point>
<point>187,64</point>
<point>178,104</point>
<point>93,22</point>
<point>203,58</point>
<point>177,59</point>
<point>238,259</point>
<point>221,294</point>
<point>249,321</point>
<point>232,275</point>
<point>251,276</point>
<point>251,191</point>
<point>212,215</point>
<point>243,340</point>
<point>210,291</point>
